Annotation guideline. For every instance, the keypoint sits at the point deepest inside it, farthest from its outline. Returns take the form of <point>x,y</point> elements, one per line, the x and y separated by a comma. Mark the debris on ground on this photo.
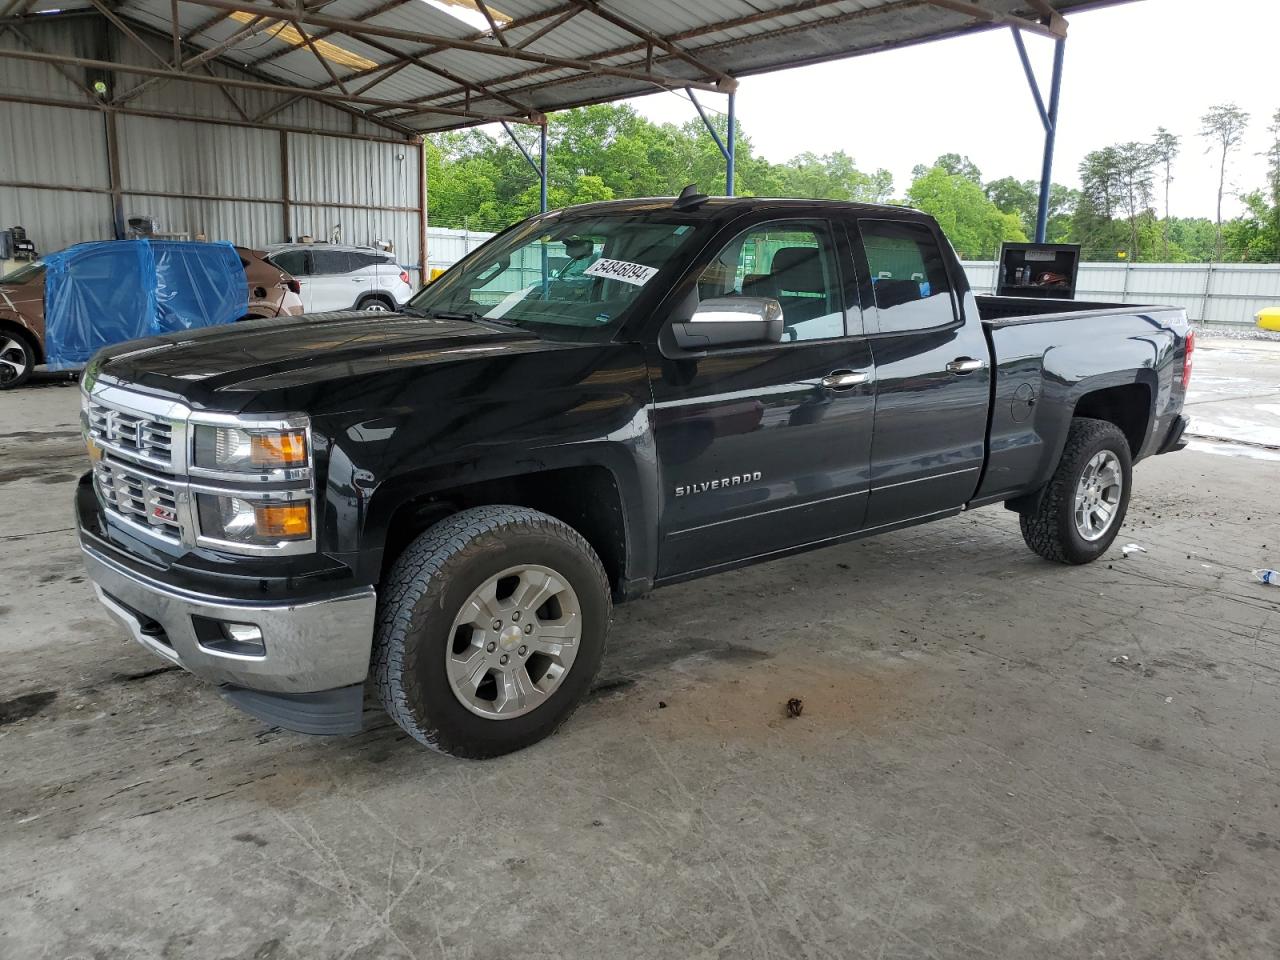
<point>795,707</point>
<point>1129,549</point>
<point>1168,699</point>
<point>1119,661</point>
<point>1270,577</point>
<point>662,704</point>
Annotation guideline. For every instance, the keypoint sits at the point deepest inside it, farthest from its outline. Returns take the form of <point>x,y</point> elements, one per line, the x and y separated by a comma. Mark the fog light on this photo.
<point>242,633</point>
<point>226,637</point>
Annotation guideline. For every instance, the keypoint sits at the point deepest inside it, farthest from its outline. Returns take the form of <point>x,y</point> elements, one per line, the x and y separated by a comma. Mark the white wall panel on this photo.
<point>56,218</point>
<point>176,157</point>
<point>52,145</point>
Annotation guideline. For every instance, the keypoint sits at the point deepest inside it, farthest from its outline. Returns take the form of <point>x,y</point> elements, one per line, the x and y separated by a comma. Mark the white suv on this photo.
<point>337,277</point>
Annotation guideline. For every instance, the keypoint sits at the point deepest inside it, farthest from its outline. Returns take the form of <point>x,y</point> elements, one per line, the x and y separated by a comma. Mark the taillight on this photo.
<point>404,276</point>
<point>1186,358</point>
<point>293,285</point>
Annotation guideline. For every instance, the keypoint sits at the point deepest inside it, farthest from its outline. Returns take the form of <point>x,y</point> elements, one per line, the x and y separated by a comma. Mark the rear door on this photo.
<point>932,376</point>
<point>333,287</point>
<point>758,451</point>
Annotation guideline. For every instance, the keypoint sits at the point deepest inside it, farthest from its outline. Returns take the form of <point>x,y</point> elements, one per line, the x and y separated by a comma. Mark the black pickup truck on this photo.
<point>446,501</point>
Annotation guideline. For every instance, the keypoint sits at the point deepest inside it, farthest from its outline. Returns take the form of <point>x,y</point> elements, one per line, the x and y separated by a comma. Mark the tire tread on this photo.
<point>419,571</point>
<point>1041,528</point>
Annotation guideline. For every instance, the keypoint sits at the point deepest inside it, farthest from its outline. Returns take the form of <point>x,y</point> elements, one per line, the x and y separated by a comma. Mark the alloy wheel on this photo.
<point>1098,492</point>
<point>514,642</point>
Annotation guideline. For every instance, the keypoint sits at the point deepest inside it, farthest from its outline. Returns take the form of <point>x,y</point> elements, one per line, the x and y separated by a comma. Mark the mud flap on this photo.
<point>329,713</point>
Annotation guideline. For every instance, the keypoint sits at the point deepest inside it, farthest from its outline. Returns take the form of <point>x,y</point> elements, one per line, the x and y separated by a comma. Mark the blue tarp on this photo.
<point>97,294</point>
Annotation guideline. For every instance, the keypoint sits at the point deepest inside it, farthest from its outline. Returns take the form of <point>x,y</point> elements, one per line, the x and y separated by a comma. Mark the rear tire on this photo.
<point>430,645</point>
<point>1067,525</point>
<point>17,358</point>
<point>374,304</point>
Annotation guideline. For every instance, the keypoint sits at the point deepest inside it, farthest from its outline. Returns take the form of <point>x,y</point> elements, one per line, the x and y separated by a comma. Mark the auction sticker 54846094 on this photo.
<point>636,274</point>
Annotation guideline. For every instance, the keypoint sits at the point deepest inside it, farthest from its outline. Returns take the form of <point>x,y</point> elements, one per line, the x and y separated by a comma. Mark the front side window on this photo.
<point>908,275</point>
<point>791,262</point>
<point>565,278</point>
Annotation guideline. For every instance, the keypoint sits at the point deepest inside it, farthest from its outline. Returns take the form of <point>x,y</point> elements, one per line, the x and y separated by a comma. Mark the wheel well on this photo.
<point>384,297</point>
<point>1128,407</point>
<point>31,338</point>
<point>586,498</point>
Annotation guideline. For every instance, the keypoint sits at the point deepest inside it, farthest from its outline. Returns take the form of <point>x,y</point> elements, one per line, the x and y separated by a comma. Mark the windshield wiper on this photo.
<point>472,316</point>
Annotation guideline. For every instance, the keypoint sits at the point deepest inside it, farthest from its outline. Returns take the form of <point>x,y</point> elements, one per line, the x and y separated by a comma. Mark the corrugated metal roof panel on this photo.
<point>734,37</point>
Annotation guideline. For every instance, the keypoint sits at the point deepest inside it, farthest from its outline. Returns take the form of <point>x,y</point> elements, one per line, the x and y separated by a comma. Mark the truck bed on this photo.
<point>1008,311</point>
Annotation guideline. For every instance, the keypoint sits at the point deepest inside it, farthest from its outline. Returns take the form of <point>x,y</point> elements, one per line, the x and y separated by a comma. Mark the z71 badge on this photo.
<point>734,481</point>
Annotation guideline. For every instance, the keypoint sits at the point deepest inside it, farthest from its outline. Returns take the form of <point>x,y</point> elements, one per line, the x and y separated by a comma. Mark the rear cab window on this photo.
<point>908,276</point>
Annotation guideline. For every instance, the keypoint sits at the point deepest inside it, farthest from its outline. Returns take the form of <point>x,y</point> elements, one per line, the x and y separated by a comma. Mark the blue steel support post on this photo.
<point>542,167</point>
<point>1050,135</point>
<point>729,153</point>
<point>542,198</point>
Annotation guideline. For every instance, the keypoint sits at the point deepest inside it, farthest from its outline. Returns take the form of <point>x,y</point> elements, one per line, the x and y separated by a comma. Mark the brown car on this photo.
<point>272,293</point>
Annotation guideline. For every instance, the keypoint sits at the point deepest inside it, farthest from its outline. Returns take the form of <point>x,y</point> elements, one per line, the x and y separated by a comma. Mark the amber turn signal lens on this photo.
<point>279,449</point>
<point>289,521</point>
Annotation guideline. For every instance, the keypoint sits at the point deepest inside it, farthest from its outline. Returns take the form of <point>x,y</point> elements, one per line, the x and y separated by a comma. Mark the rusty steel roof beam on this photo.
<point>166,74</point>
<point>801,6</point>
<point>325,34</point>
<point>1056,31</point>
<point>595,9</point>
<point>358,29</point>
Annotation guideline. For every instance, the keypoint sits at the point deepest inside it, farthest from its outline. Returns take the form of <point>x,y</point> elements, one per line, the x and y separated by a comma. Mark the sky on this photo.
<point>1127,70</point>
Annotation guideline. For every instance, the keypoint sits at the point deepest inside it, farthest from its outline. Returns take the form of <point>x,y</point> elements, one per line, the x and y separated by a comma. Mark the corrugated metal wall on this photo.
<point>1209,292</point>
<point>231,175</point>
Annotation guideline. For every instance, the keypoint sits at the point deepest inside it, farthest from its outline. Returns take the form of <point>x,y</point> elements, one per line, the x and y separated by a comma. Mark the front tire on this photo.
<point>17,358</point>
<point>1079,515</point>
<point>491,629</point>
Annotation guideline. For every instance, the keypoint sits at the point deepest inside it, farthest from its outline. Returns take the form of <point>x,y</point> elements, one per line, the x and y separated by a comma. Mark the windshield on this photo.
<point>565,279</point>
<point>24,273</point>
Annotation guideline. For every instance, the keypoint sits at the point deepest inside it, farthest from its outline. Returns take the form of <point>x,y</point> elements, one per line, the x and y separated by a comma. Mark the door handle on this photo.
<point>844,379</point>
<point>962,365</point>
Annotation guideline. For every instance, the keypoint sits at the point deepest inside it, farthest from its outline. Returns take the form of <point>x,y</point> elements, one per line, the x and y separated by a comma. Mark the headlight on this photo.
<point>253,522</point>
<point>249,450</point>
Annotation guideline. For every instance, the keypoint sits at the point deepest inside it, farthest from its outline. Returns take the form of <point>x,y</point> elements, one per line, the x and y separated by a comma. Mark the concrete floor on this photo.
<point>972,775</point>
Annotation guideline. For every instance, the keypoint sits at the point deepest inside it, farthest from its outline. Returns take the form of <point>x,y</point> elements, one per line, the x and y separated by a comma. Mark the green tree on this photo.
<point>832,177</point>
<point>975,226</point>
<point>1223,126</point>
<point>1022,198</point>
<point>1166,146</point>
<point>953,164</point>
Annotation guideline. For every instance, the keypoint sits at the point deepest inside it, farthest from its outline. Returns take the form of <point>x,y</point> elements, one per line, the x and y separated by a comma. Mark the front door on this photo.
<point>933,380</point>
<point>767,446</point>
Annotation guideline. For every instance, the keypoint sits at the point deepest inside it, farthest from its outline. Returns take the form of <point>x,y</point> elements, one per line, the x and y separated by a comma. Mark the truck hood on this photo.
<point>284,352</point>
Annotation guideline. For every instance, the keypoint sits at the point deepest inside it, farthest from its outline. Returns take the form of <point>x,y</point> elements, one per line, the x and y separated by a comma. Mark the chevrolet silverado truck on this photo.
<point>443,503</point>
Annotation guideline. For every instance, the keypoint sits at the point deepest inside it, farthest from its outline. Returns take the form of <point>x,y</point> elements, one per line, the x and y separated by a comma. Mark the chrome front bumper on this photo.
<point>312,646</point>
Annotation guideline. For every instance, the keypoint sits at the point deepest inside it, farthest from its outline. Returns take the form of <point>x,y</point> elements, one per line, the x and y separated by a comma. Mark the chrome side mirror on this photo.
<point>730,320</point>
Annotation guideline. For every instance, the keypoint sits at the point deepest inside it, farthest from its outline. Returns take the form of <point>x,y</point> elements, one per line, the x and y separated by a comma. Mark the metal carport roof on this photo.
<point>419,66</point>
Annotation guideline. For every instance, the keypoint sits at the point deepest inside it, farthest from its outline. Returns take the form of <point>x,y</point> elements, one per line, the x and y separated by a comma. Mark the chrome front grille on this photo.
<point>132,435</point>
<point>139,499</point>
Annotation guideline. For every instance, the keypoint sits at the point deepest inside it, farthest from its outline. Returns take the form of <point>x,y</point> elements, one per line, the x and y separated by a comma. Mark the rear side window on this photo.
<point>908,275</point>
<point>327,262</point>
<point>361,260</point>
<point>292,261</point>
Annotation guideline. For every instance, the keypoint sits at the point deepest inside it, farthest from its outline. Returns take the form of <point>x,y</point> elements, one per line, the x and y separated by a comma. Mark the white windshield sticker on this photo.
<point>636,274</point>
